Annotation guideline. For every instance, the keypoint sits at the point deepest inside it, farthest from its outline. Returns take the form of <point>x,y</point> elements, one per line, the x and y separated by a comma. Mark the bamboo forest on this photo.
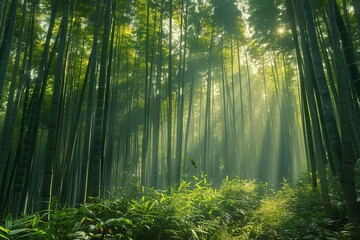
<point>179,119</point>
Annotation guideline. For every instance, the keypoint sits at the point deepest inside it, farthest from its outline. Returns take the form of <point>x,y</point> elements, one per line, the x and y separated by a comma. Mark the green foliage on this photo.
<point>29,227</point>
<point>227,15</point>
<point>194,210</point>
<point>293,213</point>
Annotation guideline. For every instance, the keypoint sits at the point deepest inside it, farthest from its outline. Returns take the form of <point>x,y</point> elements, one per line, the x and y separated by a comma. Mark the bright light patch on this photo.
<point>281,30</point>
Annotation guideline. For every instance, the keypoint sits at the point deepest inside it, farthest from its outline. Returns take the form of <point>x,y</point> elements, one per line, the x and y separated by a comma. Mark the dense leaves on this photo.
<point>237,210</point>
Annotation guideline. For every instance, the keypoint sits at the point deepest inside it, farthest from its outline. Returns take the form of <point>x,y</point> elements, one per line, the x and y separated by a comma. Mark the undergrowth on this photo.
<point>237,210</point>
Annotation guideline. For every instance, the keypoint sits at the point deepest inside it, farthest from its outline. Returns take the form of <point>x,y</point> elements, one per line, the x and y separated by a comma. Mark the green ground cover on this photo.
<point>237,210</point>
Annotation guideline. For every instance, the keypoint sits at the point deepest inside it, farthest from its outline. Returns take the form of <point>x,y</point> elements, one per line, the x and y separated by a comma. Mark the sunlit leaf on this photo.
<point>17,231</point>
<point>4,230</point>
<point>36,220</point>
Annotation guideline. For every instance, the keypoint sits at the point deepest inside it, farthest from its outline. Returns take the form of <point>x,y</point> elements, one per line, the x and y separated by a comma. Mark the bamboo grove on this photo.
<point>103,94</point>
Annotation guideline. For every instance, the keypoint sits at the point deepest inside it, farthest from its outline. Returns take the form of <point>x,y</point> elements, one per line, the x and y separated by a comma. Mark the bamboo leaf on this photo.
<point>35,221</point>
<point>3,236</point>
<point>194,234</point>
<point>9,221</point>
<point>192,161</point>
<point>32,234</point>
<point>4,230</point>
<point>17,231</point>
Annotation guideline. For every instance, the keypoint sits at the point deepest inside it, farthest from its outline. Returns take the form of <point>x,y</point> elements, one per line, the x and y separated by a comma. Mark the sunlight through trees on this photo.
<point>98,95</point>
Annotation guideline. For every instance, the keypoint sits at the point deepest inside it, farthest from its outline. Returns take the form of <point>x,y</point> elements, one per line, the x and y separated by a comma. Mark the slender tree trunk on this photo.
<point>145,138</point>
<point>348,50</point>
<point>3,10</point>
<point>157,107</point>
<point>109,116</point>
<point>324,51</point>
<point>26,148</point>
<point>89,107</point>
<point>74,131</point>
<point>235,138</point>
<point>348,157</point>
<point>251,148</point>
<point>304,101</point>
<point>11,110</point>
<point>181,94</point>
<point>326,104</point>
<point>7,167</point>
<point>55,110</point>
<point>206,140</point>
<point>242,118</point>
<point>96,158</point>
<point>90,125</point>
<point>225,149</point>
<point>318,147</point>
<point>5,45</point>
<point>25,76</point>
<point>191,98</point>
<point>169,112</point>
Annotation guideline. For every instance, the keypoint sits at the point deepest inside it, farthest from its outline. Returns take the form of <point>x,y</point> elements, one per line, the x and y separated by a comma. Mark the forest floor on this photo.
<point>238,209</point>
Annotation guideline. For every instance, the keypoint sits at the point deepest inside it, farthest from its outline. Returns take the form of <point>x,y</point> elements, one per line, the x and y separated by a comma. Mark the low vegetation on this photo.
<point>194,210</point>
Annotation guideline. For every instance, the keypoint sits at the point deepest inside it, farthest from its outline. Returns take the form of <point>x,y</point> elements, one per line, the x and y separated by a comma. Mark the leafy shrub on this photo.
<point>293,213</point>
<point>194,210</point>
